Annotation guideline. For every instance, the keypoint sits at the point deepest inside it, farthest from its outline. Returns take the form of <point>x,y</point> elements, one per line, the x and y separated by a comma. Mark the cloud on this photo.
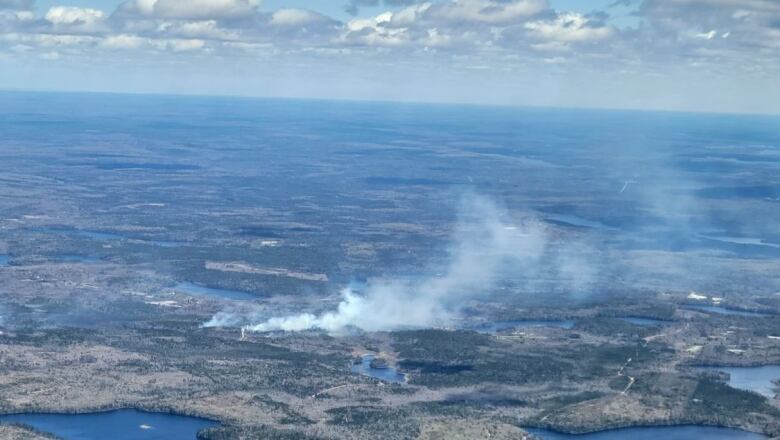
<point>124,41</point>
<point>455,23</point>
<point>485,11</point>
<point>490,31</point>
<point>203,29</point>
<point>183,45</point>
<point>707,35</point>
<point>73,18</point>
<point>189,9</point>
<point>748,23</point>
<point>298,17</point>
<point>568,28</point>
<point>414,42</point>
<point>353,7</point>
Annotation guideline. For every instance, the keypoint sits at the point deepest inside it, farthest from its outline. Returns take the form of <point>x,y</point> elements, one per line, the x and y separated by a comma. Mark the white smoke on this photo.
<point>486,244</point>
<point>225,319</point>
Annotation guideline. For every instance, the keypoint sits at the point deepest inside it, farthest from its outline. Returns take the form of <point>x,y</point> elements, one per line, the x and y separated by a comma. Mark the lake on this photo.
<point>757,379</point>
<point>4,259</point>
<point>389,374</point>
<point>124,424</point>
<point>654,433</point>
<point>198,290</point>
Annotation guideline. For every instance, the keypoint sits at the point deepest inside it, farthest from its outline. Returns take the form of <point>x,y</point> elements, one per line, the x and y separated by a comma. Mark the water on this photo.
<point>389,374</point>
<point>198,290</point>
<point>654,433</point>
<point>718,310</point>
<point>495,327</point>
<point>123,166</point>
<point>115,425</point>
<point>4,259</point>
<point>644,322</point>
<point>756,379</point>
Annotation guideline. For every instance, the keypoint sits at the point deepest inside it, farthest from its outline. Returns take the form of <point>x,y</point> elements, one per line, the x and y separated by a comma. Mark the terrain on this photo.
<point>113,207</point>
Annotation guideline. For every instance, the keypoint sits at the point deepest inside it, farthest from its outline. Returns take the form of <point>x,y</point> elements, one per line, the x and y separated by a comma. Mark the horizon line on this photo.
<point>388,101</point>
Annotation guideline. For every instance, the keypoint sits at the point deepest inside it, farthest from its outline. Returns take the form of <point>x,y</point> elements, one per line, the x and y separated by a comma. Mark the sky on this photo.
<point>690,55</point>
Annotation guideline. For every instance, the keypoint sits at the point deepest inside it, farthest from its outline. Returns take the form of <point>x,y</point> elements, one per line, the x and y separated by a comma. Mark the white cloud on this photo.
<point>296,17</point>
<point>47,40</point>
<point>13,16</point>
<point>208,29</point>
<point>134,42</point>
<point>569,27</point>
<point>411,15</point>
<point>375,31</point>
<point>190,9</point>
<point>181,45</point>
<point>124,41</point>
<point>415,38</point>
<point>486,11</point>
<point>84,19</point>
<point>707,35</point>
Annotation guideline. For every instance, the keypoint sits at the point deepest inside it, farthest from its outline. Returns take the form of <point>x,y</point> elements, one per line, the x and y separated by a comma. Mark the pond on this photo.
<point>757,379</point>
<point>495,327</point>
<point>718,310</point>
<point>116,425</point>
<point>386,373</point>
<point>198,290</point>
<point>654,433</point>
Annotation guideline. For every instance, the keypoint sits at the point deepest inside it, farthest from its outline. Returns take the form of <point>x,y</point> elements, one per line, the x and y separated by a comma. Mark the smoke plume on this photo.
<point>486,243</point>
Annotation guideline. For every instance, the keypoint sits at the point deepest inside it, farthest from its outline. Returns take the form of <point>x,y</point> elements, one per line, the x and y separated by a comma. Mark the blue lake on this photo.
<point>757,379</point>
<point>389,374</point>
<point>4,259</point>
<point>494,327</point>
<point>115,425</point>
<point>723,311</point>
<point>198,290</point>
<point>654,433</point>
